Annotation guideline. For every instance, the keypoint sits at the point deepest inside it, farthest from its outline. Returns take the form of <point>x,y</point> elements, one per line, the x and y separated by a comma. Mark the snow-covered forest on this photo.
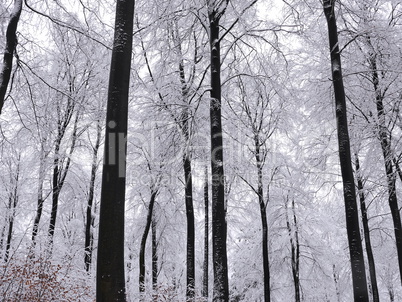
<point>214,150</point>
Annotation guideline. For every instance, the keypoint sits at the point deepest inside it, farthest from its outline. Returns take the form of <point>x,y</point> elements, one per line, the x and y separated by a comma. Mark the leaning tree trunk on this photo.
<point>59,171</point>
<point>90,219</point>
<point>40,199</point>
<point>366,231</point>
<point>110,281</point>
<point>11,43</point>
<point>219,228</point>
<point>349,191</point>
<point>154,259</point>
<point>141,279</point>
<point>385,142</point>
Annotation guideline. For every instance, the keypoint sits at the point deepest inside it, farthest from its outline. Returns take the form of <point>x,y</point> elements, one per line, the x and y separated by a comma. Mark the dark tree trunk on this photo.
<point>366,231</point>
<point>90,219</point>
<point>110,281</point>
<point>385,141</point>
<point>60,171</point>
<point>188,180</point>
<point>12,207</point>
<point>264,222</point>
<point>154,259</point>
<point>205,267</point>
<point>397,168</point>
<point>141,280</point>
<point>40,199</point>
<point>190,228</point>
<point>11,43</point>
<point>293,232</point>
<point>349,191</point>
<point>219,227</point>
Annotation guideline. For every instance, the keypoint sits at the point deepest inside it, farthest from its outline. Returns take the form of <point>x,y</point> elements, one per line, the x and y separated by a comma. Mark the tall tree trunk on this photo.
<point>219,227</point>
<point>205,266</point>
<point>90,219</point>
<point>110,282</point>
<point>366,231</point>
<point>264,222</point>
<point>154,259</point>
<point>141,279</point>
<point>11,43</point>
<point>349,191</point>
<point>385,142</point>
<point>188,178</point>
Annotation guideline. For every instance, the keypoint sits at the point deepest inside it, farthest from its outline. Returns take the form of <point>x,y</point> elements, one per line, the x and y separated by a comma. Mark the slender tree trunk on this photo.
<point>336,278</point>
<point>387,155</point>
<point>154,259</point>
<point>110,281</point>
<point>397,168</point>
<point>40,200</point>
<point>188,179</point>
<point>205,266</point>
<point>11,43</point>
<point>190,292</point>
<point>12,207</point>
<point>349,191</point>
<point>219,227</point>
<point>60,172</point>
<point>90,219</point>
<point>144,243</point>
<point>2,235</point>
<point>264,222</point>
<point>366,231</point>
<point>293,232</point>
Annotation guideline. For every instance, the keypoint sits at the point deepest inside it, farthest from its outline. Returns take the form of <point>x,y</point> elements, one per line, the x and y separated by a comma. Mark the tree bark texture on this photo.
<point>349,191</point>
<point>190,292</point>
<point>219,228</point>
<point>366,231</point>
<point>110,281</point>
<point>11,43</point>
<point>205,266</point>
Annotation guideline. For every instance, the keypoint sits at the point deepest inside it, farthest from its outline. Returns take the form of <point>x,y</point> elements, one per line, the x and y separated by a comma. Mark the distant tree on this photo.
<point>366,230</point>
<point>90,213</point>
